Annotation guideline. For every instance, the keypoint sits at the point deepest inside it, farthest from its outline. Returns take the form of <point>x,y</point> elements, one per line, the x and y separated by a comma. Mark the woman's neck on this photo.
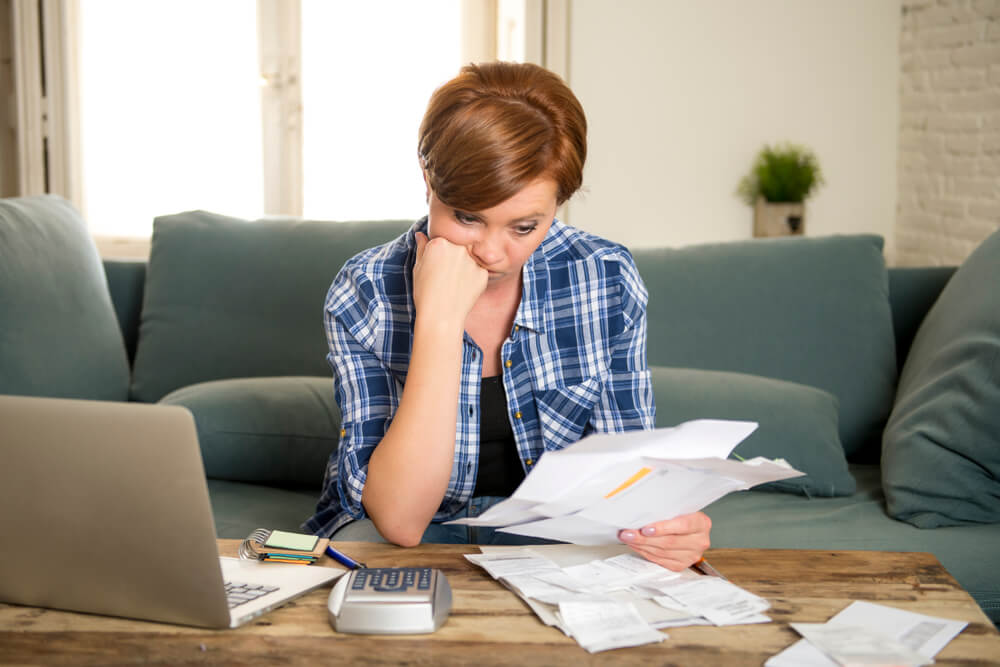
<point>490,321</point>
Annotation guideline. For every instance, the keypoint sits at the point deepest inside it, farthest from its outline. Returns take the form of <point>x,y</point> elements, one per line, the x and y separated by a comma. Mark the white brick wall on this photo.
<point>949,134</point>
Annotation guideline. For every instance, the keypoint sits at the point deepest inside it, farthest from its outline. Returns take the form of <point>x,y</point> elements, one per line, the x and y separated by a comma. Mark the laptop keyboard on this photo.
<point>240,593</point>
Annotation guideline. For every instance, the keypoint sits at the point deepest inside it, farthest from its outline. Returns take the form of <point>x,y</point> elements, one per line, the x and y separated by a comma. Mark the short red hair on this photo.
<point>495,128</point>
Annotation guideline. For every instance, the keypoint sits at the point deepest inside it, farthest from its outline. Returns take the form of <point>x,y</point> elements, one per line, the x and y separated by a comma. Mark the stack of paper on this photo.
<point>607,597</point>
<point>283,547</point>
<point>587,492</point>
<point>869,634</point>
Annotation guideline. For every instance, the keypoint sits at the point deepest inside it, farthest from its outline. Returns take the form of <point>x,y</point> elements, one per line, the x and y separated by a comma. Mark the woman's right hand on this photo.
<point>447,281</point>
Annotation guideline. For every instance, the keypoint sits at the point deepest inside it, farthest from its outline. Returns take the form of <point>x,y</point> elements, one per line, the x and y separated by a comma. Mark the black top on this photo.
<point>500,469</point>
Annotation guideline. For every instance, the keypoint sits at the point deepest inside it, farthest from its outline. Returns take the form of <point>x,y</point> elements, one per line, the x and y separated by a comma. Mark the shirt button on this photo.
<point>343,432</point>
<point>508,363</point>
<point>517,415</point>
<point>528,462</point>
<point>517,327</point>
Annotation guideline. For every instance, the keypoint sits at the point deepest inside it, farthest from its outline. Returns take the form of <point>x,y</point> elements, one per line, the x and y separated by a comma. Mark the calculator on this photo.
<point>390,600</point>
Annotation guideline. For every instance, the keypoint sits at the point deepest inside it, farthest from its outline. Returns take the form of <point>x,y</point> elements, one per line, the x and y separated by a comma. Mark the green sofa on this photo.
<point>807,336</point>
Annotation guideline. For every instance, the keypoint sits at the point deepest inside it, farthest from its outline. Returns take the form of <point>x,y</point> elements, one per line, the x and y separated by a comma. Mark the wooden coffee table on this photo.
<point>490,625</point>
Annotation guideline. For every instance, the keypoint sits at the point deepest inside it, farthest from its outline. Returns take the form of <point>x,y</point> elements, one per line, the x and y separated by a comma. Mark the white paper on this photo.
<point>858,645</point>
<point>926,635</point>
<point>573,529</point>
<point>506,564</point>
<point>589,491</point>
<point>604,575</point>
<point>720,601</point>
<point>537,588</point>
<point>506,512</point>
<point>661,494</point>
<point>599,626</point>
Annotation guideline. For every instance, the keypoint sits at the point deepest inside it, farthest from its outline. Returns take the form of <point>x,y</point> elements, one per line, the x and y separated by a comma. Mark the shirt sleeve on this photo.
<point>627,403</point>
<point>367,394</point>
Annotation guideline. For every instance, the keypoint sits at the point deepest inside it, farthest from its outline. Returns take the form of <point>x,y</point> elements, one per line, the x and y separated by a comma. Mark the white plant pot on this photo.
<point>778,219</point>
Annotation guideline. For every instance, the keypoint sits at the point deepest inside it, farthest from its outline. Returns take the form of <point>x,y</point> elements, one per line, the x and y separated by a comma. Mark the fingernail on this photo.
<point>648,530</point>
<point>627,535</point>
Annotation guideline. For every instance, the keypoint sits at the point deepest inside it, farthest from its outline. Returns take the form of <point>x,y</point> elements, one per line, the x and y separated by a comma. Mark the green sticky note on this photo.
<point>280,539</point>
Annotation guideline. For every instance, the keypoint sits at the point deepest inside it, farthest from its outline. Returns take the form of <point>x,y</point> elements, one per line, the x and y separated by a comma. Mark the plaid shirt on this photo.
<point>574,362</point>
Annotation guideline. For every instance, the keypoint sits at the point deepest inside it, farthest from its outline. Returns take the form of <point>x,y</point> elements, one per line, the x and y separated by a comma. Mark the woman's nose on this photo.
<point>486,250</point>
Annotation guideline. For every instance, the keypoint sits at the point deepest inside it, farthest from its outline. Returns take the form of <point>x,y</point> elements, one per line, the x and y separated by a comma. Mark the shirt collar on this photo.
<point>534,311</point>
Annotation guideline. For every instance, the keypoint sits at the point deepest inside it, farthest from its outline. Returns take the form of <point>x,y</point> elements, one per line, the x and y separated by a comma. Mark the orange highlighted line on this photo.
<point>631,480</point>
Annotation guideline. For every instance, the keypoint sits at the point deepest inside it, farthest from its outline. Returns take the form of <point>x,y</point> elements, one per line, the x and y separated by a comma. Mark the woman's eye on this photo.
<point>464,217</point>
<point>524,231</point>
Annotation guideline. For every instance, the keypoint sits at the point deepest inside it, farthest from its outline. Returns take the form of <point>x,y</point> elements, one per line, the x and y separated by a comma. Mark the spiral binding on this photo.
<point>248,550</point>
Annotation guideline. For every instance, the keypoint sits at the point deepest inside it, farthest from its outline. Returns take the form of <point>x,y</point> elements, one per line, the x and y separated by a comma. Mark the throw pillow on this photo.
<point>809,310</point>
<point>941,447</point>
<point>797,423</point>
<point>59,336</point>
<point>278,431</point>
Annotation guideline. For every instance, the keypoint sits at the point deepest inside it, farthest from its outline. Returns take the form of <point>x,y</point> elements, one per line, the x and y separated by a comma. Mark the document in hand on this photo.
<point>587,492</point>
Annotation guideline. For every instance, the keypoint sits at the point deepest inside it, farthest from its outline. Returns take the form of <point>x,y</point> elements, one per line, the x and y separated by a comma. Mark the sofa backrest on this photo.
<point>126,282</point>
<point>814,311</point>
<point>912,292</point>
<point>223,298</point>
<point>227,298</point>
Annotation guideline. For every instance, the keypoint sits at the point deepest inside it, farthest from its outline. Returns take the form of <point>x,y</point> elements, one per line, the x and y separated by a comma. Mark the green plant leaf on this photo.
<point>783,173</point>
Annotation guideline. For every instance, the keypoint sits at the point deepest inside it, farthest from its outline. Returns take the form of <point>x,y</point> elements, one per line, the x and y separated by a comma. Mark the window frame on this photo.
<point>47,110</point>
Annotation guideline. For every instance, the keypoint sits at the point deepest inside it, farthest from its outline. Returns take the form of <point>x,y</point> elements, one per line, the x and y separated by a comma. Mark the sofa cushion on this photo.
<point>227,298</point>
<point>278,431</point>
<point>797,423</point>
<point>808,310</point>
<point>59,336</point>
<point>941,449</point>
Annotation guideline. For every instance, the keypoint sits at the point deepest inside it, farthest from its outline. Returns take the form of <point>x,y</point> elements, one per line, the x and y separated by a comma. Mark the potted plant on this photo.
<point>781,179</point>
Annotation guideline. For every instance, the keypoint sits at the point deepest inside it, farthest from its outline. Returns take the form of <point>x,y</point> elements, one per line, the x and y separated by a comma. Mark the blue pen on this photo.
<point>343,559</point>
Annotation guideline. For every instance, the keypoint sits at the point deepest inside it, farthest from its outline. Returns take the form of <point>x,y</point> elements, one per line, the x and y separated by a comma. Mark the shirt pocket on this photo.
<point>564,412</point>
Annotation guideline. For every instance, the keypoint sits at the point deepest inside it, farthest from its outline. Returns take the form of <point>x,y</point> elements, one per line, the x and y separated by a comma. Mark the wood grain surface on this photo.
<point>489,625</point>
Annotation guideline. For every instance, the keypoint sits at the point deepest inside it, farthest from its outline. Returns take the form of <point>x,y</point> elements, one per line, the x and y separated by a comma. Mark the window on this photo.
<point>169,111</point>
<point>171,115</point>
<point>360,118</point>
<point>289,107</point>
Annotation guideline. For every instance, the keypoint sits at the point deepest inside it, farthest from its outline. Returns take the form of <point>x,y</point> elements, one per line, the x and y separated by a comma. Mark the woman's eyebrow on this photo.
<point>526,218</point>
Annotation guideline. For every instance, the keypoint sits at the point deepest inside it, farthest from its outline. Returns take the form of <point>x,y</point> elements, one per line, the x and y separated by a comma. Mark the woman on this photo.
<point>490,332</point>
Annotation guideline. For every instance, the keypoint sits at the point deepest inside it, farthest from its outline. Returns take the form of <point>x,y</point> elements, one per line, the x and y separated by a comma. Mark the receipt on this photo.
<point>621,594</point>
<point>858,645</point>
<point>720,601</point>
<point>536,587</point>
<point>509,563</point>
<point>926,635</point>
<point>599,626</point>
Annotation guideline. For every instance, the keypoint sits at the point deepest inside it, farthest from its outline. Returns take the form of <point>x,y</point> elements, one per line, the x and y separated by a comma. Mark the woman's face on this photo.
<point>501,238</point>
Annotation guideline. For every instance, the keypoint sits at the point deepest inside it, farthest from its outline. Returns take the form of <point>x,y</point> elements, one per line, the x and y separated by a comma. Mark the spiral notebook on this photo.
<point>281,546</point>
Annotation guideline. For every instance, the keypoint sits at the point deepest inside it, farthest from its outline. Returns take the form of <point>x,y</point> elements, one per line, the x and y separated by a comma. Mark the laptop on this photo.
<point>104,509</point>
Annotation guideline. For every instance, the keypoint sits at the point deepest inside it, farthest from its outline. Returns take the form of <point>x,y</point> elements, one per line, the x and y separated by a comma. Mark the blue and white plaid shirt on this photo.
<point>575,360</point>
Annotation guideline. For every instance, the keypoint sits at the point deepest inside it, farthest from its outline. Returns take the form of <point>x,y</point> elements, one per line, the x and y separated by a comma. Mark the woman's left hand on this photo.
<point>675,544</point>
